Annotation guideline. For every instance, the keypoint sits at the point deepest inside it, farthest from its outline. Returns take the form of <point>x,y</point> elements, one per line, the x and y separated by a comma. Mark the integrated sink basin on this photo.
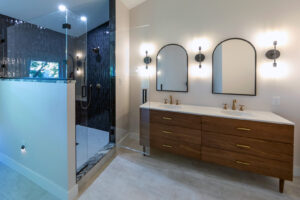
<point>237,113</point>
<point>170,106</point>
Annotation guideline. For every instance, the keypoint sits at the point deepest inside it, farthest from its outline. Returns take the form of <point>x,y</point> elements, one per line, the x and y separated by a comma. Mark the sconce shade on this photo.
<point>147,60</point>
<point>200,57</point>
<point>273,54</point>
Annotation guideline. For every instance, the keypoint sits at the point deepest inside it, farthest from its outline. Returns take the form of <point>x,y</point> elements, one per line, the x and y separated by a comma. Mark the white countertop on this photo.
<point>252,115</point>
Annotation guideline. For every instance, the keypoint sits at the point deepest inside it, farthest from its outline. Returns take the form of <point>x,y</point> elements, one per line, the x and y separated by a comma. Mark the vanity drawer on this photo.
<point>261,148</point>
<point>180,148</point>
<point>251,129</point>
<point>176,119</point>
<point>250,163</point>
<point>179,134</point>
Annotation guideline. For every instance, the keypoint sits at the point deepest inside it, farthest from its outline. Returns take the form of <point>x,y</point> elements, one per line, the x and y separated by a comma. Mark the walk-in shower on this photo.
<point>94,133</point>
<point>68,49</point>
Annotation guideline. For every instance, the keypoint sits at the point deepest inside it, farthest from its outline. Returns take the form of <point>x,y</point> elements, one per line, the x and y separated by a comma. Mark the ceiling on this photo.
<point>45,13</point>
<point>132,3</point>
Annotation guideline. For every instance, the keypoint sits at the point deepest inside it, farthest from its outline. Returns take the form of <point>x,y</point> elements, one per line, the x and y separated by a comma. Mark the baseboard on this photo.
<point>43,182</point>
<point>297,171</point>
<point>73,192</point>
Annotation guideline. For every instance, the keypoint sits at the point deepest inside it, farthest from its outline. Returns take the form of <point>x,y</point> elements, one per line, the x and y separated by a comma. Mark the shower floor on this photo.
<point>89,142</point>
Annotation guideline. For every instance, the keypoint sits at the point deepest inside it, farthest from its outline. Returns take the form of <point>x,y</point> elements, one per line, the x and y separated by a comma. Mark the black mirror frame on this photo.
<point>187,65</point>
<point>255,78</point>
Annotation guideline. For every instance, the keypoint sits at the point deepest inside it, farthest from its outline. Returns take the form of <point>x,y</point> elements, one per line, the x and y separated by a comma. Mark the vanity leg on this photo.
<point>144,151</point>
<point>281,185</point>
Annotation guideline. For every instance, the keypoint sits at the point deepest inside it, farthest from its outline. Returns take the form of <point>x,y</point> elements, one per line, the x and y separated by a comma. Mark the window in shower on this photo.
<point>42,69</point>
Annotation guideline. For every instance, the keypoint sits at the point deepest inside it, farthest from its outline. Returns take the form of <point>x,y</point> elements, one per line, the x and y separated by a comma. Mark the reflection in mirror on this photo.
<point>234,68</point>
<point>172,69</point>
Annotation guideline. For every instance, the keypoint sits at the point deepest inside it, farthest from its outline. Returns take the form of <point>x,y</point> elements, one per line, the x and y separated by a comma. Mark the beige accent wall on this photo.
<point>176,21</point>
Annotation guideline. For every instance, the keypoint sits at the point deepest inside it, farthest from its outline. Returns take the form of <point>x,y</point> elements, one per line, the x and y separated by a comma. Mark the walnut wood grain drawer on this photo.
<point>261,148</point>
<point>251,129</point>
<point>250,163</point>
<point>179,134</point>
<point>181,148</point>
<point>175,119</point>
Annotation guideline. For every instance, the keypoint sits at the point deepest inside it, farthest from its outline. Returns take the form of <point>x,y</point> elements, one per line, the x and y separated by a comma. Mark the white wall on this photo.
<point>177,21</point>
<point>38,115</point>
<point>122,70</point>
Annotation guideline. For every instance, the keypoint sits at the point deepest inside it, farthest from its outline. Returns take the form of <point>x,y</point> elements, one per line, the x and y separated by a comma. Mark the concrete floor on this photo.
<point>14,186</point>
<point>164,176</point>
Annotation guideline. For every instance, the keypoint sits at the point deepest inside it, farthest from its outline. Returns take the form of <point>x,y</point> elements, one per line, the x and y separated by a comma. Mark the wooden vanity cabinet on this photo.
<point>258,147</point>
<point>176,133</point>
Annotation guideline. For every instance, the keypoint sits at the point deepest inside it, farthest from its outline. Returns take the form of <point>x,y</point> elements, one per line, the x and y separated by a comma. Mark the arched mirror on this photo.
<point>172,69</point>
<point>234,68</point>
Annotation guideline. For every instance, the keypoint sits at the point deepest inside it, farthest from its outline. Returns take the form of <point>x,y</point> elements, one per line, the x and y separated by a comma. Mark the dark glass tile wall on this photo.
<point>98,73</point>
<point>5,22</point>
<point>25,42</point>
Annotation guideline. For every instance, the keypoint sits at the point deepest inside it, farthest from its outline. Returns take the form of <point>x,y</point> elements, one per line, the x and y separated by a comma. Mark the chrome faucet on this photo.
<point>234,104</point>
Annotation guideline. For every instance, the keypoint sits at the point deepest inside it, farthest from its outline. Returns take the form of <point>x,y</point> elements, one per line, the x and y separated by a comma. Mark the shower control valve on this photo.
<point>98,86</point>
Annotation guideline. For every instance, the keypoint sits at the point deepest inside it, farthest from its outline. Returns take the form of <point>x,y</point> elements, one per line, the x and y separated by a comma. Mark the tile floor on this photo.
<point>164,176</point>
<point>14,186</point>
<point>133,176</point>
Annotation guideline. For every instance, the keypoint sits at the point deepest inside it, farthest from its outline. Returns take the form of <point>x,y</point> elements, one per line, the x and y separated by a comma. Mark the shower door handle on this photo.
<point>83,91</point>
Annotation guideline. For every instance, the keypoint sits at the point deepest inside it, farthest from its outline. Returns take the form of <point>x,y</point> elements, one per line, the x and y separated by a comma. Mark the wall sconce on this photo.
<point>147,60</point>
<point>273,54</point>
<point>78,62</point>
<point>200,58</point>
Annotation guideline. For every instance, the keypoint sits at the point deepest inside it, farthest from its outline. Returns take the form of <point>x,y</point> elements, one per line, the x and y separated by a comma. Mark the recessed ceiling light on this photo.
<point>83,18</point>
<point>62,8</point>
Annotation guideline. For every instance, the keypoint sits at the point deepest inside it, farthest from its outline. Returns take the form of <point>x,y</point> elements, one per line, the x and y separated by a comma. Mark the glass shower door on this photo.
<point>76,70</point>
<point>133,128</point>
<point>93,74</point>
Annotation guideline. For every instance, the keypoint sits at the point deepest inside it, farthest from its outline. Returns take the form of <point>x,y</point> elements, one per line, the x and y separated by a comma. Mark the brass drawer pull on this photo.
<point>244,129</point>
<point>167,118</point>
<point>167,146</point>
<point>167,132</point>
<point>242,163</point>
<point>243,146</point>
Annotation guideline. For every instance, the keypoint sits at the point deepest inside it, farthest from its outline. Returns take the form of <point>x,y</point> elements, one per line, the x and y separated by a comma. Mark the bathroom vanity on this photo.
<point>254,141</point>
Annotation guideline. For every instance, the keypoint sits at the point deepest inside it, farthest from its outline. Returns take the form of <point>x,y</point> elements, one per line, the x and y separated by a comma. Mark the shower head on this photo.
<point>96,50</point>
